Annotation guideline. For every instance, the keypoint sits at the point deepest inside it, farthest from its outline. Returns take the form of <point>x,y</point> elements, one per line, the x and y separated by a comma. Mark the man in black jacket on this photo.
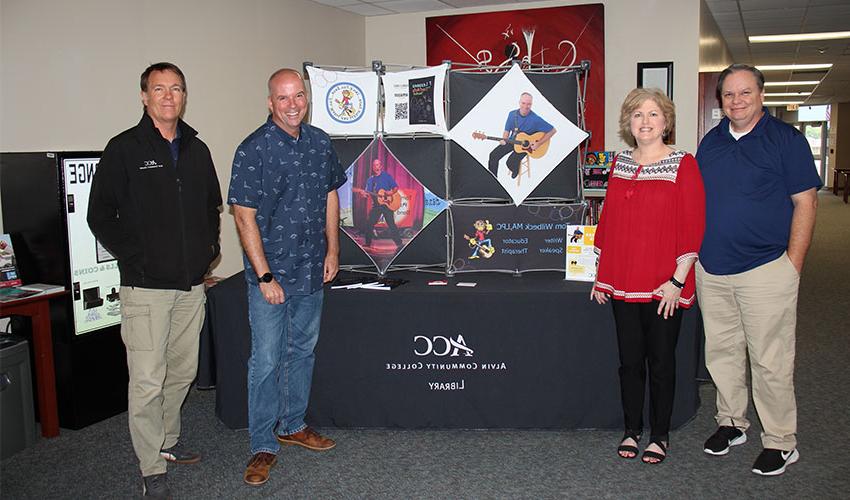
<point>154,204</point>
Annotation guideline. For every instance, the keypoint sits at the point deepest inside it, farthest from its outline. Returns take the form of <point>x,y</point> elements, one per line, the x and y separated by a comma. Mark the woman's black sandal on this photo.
<point>659,457</point>
<point>627,448</point>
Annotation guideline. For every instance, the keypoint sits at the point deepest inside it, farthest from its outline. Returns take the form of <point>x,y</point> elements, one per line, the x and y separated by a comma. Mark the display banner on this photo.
<point>383,206</point>
<point>511,238</point>
<point>344,102</point>
<point>517,134</point>
<point>581,258</point>
<point>95,279</point>
<point>414,101</point>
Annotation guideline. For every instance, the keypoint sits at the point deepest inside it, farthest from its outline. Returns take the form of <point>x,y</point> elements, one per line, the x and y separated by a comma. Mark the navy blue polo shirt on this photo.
<point>287,181</point>
<point>748,187</point>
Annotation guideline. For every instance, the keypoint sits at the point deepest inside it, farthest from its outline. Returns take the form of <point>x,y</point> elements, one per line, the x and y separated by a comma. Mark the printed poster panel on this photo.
<point>581,259</point>
<point>94,271</point>
<point>414,101</point>
<point>511,238</point>
<point>517,134</point>
<point>344,102</point>
<point>383,206</point>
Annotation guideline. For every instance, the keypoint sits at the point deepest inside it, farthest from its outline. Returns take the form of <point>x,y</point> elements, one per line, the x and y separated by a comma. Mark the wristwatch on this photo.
<point>676,283</point>
<point>266,278</point>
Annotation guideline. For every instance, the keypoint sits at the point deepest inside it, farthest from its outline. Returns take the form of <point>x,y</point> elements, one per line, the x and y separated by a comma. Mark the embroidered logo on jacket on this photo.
<point>148,164</point>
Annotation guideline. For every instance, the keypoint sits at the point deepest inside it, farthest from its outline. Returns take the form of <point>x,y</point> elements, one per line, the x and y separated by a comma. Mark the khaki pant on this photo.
<point>161,330</point>
<point>755,313</point>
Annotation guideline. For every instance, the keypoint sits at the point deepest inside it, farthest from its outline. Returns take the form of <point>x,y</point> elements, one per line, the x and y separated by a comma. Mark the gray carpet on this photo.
<point>98,461</point>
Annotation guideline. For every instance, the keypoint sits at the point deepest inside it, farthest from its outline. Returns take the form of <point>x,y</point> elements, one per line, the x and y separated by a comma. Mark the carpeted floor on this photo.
<point>98,461</point>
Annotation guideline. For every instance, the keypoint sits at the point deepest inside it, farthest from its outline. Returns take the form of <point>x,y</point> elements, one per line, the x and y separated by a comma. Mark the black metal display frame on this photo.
<point>417,257</point>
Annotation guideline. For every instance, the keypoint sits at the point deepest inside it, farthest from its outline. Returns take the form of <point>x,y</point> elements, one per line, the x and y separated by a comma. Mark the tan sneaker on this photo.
<point>308,438</point>
<point>258,468</point>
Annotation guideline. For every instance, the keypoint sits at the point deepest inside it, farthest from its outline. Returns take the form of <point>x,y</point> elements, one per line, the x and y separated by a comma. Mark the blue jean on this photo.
<point>280,369</point>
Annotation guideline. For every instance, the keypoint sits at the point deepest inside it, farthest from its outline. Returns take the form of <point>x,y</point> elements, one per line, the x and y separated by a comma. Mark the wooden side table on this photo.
<point>37,307</point>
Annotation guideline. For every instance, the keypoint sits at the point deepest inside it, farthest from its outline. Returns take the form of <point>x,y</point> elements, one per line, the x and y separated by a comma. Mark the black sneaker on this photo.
<point>180,455</point>
<point>154,486</point>
<point>725,437</point>
<point>773,462</point>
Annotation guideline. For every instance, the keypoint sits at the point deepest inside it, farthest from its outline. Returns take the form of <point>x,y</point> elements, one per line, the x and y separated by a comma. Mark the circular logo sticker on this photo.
<point>345,102</point>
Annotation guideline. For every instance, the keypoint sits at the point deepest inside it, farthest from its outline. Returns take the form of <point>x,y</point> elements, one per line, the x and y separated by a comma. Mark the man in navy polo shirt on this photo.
<point>761,198</point>
<point>283,193</point>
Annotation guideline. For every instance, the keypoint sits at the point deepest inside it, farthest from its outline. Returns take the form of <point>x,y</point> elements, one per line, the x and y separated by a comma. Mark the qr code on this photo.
<point>401,111</point>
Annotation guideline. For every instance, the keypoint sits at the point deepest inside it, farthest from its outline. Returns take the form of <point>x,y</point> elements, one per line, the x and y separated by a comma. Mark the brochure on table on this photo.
<point>94,271</point>
<point>581,259</point>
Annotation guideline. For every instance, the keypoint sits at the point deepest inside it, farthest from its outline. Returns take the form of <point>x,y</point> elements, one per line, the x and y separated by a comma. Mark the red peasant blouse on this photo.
<point>653,217</point>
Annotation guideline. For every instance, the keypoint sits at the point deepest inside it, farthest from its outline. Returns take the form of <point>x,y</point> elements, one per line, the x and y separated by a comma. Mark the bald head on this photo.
<point>284,74</point>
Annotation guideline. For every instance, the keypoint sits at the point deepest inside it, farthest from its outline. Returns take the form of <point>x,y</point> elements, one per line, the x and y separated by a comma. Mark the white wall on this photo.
<point>69,70</point>
<point>635,31</point>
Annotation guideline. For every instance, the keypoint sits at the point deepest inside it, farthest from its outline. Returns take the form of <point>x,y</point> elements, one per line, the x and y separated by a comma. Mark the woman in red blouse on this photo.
<point>648,237</point>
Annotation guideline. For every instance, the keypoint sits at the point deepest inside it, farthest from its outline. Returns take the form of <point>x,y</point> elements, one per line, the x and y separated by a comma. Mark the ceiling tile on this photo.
<point>412,5</point>
<point>337,3</point>
<point>365,9</point>
<point>475,3</point>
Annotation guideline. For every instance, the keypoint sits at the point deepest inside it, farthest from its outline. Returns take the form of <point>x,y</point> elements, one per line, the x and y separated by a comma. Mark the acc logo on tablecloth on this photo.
<point>440,346</point>
<point>345,102</point>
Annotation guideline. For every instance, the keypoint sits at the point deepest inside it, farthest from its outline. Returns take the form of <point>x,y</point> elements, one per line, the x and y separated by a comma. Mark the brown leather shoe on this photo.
<point>258,468</point>
<point>307,438</point>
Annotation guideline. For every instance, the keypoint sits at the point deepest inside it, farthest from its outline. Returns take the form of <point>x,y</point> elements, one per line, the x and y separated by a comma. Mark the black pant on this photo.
<point>513,160</point>
<point>374,215</point>
<point>644,336</point>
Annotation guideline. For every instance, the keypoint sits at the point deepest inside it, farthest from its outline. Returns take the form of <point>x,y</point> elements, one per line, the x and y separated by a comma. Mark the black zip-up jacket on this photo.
<point>160,221</point>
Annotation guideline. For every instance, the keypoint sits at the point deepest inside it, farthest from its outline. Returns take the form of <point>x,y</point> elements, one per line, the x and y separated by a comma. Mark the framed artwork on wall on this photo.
<point>656,75</point>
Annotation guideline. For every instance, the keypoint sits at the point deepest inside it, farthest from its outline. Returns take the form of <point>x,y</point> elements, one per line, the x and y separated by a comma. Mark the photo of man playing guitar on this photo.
<point>386,199</point>
<point>526,133</point>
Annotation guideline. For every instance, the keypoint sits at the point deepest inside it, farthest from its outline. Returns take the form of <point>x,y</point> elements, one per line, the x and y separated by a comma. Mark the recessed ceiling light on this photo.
<point>781,103</point>
<point>783,84</point>
<point>787,94</point>
<point>800,37</point>
<point>792,67</point>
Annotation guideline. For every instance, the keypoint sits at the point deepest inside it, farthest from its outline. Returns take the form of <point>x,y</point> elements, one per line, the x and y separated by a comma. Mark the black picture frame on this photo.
<point>656,74</point>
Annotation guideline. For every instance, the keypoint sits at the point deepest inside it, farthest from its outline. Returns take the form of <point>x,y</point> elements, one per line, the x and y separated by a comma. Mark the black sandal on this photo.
<point>659,457</point>
<point>627,448</point>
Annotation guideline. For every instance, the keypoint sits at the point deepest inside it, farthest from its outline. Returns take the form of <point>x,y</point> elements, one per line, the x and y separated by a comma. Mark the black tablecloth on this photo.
<point>512,352</point>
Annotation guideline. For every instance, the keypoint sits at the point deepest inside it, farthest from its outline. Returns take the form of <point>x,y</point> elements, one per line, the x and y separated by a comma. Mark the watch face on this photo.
<point>266,278</point>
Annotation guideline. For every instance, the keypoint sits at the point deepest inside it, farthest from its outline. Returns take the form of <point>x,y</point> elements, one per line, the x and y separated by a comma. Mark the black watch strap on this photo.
<point>676,282</point>
<point>266,278</point>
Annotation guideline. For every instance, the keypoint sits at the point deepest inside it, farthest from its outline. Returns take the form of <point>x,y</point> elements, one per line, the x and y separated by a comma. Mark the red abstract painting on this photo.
<point>560,36</point>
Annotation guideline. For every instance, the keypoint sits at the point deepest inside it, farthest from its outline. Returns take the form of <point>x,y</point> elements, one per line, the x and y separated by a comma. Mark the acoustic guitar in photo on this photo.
<point>522,142</point>
<point>382,197</point>
<point>486,250</point>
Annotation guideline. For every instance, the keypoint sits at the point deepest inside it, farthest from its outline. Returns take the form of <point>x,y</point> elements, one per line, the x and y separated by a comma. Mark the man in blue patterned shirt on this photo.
<point>283,193</point>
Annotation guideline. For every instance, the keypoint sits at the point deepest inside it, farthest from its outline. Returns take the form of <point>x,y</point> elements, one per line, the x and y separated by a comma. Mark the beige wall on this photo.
<point>69,71</point>
<point>635,31</point>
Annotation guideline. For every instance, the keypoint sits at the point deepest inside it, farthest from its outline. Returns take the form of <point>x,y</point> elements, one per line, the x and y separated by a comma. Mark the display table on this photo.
<point>512,352</point>
<point>37,307</point>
